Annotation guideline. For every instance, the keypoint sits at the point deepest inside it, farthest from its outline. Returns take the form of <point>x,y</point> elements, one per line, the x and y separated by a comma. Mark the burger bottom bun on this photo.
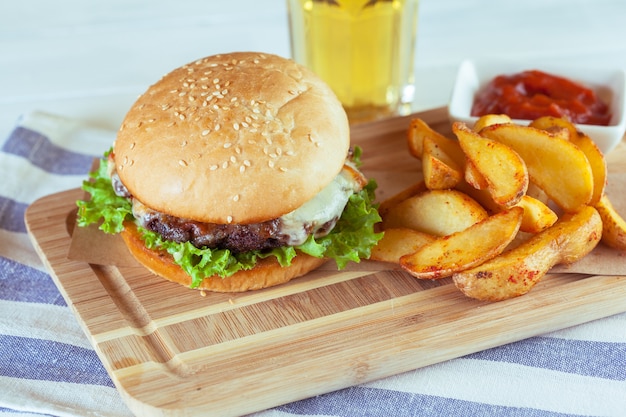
<point>267,273</point>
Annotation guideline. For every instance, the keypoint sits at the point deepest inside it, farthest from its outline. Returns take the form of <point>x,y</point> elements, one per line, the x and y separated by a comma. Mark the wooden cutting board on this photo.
<point>174,351</point>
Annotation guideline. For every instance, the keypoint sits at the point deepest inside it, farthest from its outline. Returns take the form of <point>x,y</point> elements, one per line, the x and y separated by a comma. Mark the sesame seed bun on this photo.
<point>233,138</point>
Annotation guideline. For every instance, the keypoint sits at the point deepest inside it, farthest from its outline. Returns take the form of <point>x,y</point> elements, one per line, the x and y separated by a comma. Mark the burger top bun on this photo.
<point>232,138</point>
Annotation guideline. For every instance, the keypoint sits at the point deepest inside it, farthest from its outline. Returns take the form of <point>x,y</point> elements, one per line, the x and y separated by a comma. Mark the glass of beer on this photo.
<point>363,49</point>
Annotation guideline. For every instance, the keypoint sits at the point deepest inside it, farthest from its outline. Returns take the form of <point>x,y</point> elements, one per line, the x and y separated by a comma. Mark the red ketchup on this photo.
<point>532,94</point>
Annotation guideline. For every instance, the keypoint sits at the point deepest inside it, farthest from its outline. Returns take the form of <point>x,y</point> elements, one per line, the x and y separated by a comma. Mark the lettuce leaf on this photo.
<point>350,241</point>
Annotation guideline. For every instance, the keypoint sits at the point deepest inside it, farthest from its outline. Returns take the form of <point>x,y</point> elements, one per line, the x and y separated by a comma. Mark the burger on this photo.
<point>235,173</point>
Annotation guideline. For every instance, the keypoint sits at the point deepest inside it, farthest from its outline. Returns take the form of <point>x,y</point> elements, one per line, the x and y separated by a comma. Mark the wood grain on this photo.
<point>171,351</point>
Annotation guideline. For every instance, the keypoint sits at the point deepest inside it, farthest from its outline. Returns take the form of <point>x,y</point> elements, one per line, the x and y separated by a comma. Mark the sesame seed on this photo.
<point>216,80</point>
<point>205,132</point>
<point>132,145</point>
<point>213,167</point>
<point>282,169</point>
<point>238,150</point>
<point>225,165</point>
<point>229,219</point>
<point>233,159</point>
<point>236,126</point>
<point>217,126</point>
<point>247,163</point>
<point>236,197</point>
<point>242,168</point>
<point>182,162</point>
<point>227,145</point>
<point>270,164</point>
<point>290,153</point>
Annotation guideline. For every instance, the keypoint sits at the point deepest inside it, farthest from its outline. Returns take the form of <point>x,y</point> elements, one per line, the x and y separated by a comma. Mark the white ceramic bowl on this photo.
<point>609,84</point>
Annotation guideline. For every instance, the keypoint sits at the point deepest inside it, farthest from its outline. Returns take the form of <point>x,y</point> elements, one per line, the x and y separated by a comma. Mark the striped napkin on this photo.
<point>47,366</point>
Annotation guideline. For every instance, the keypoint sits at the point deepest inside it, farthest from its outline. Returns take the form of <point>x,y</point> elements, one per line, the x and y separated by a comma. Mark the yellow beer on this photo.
<point>364,49</point>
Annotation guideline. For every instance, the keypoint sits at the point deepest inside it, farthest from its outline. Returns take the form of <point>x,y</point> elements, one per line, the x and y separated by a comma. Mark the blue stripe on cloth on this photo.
<point>581,357</point>
<point>38,149</point>
<point>9,411</point>
<point>20,282</point>
<point>47,360</point>
<point>375,402</point>
<point>12,215</point>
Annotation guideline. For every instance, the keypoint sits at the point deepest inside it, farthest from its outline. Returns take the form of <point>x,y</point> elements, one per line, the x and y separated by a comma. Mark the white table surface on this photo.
<point>89,60</point>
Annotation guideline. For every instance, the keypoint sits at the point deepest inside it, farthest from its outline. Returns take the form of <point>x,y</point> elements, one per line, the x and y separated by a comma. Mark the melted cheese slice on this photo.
<point>325,207</point>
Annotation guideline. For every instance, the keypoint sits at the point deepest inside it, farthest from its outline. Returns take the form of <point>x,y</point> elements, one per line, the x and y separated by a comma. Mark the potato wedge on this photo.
<point>397,243</point>
<point>440,171</point>
<point>473,177</point>
<point>614,225</point>
<point>556,165</point>
<point>418,130</point>
<point>489,120</point>
<point>585,144</point>
<point>394,200</point>
<point>537,215</point>
<point>596,161</point>
<point>536,192</point>
<point>554,125</point>
<point>516,271</point>
<point>502,168</point>
<point>436,212</point>
<point>465,249</point>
